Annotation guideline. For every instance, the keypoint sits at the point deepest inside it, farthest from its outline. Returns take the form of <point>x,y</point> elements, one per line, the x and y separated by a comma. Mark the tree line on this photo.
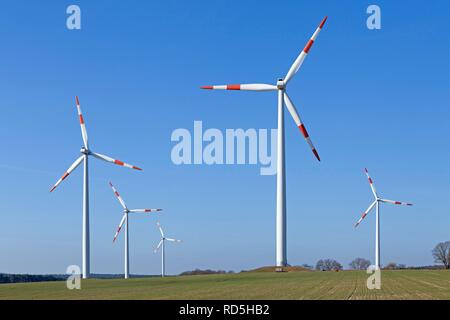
<point>440,253</point>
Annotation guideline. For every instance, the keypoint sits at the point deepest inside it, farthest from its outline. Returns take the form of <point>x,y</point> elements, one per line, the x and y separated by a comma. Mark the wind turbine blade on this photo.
<point>173,240</point>
<point>118,162</point>
<point>396,202</point>
<point>243,87</point>
<point>159,245</point>
<point>82,124</point>
<point>372,186</point>
<point>144,210</point>
<point>160,229</point>
<point>299,61</point>
<point>293,111</point>
<point>120,227</point>
<point>118,196</point>
<point>365,213</point>
<point>66,174</point>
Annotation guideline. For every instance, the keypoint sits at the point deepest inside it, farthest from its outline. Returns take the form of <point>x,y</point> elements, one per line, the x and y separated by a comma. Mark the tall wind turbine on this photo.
<point>85,153</point>
<point>161,245</point>
<point>283,98</point>
<point>376,204</point>
<point>126,211</point>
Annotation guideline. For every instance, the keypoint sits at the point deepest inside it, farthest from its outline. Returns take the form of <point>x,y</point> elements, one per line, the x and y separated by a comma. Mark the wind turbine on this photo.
<point>283,98</point>
<point>85,153</point>
<point>161,245</point>
<point>126,211</point>
<point>376,204</point>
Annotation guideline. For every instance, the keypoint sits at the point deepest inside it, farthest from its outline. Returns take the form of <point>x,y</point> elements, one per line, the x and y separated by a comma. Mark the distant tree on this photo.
<point>441,254</point>
<point>391,266</point>
<point>359,264</point>
<point>307,266</point>
<point>15,278</point>
<point>320,265</point>
<point>328,265</point>
<point>207,271</point>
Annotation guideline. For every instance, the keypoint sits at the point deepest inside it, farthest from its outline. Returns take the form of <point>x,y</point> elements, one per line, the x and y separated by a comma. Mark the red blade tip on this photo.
<point>206,87</point>
<point>78,102</point>
<point>323,22</point>
<point>316,154</point>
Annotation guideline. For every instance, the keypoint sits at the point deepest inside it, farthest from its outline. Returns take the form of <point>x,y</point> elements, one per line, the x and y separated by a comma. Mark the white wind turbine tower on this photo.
<point>283,98</point>
<point>126,211</point>
<point>85,153</point>
<point>376,204</point>
<point>161,245</point>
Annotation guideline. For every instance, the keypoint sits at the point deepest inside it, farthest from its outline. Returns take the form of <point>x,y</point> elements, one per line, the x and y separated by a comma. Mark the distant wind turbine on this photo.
<point>376,204</point>
<point>126,211</point>
<point>161,245</point>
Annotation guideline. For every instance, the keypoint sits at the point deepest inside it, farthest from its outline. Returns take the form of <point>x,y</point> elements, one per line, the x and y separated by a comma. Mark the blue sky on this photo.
<point>370,98</point>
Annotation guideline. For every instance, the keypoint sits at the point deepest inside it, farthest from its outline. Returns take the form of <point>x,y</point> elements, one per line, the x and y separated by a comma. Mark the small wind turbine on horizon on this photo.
<point>85,153</point>
<point>161,245</point>
<point>376,204</point>
<point>126,211</point>
<point>283,99</point>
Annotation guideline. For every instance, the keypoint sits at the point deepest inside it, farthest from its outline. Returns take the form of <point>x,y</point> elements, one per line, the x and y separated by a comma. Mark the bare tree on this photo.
<point>391,266</point>
<point>359,264</point>
<point>441,253</point>
<point>328,265</point>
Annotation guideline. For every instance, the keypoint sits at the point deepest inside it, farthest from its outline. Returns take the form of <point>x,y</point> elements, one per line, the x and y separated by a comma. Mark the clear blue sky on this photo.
<point>376,99</point>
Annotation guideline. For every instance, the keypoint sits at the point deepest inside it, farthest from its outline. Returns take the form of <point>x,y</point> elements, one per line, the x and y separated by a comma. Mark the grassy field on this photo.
<point>404,284</point>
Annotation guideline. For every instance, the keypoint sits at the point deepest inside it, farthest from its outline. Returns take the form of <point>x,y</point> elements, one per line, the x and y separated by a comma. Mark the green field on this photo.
<point>404,284</point>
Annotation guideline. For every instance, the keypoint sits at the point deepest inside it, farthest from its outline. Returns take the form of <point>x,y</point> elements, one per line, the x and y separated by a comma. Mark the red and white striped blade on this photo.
<point>365,213</point>
<point>120,227</point>
<point>160,229</point>
<point>372,186</point>
<point>293,111</point>
<point>158,246</point>
<point>145,210</point>
<point>299,61</point>
<point>82,124</point>
<point>116,193</point>
<point>243,87</point>
<point>396,202</point>
<point>66,174</point>
<point>118,162</point>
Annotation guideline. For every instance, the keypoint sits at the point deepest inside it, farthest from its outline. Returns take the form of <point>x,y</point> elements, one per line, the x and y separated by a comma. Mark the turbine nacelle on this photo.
<point>84,150</point>
<point>280,84</point>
